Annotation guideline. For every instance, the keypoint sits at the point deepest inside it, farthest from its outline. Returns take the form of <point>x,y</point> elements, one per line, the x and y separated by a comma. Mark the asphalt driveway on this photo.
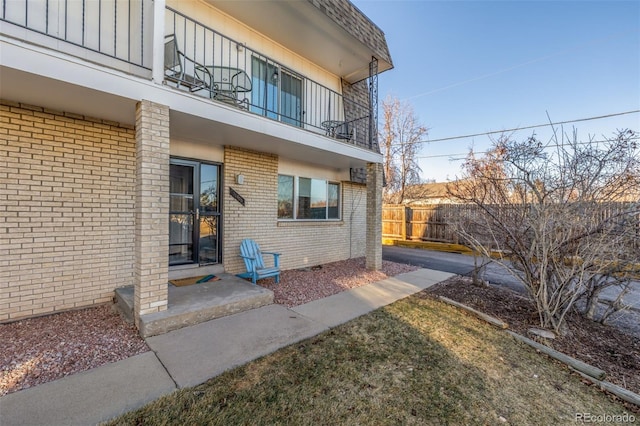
<point>455,263</point>
<point>462,264</point>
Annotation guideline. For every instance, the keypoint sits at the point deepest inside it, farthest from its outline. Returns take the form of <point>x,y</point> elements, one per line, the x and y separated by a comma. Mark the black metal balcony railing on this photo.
<point>203,61</point>
<point>198,59</point>
<point>120,29</point>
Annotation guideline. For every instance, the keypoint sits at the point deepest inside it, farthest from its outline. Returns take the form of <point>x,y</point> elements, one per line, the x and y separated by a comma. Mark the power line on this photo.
<point>493,132</point>
<point>529,62</point>
<point>485,152</point>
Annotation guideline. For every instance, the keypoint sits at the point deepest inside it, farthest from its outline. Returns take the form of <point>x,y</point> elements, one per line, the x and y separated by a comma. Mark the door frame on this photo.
<point>195,237</point>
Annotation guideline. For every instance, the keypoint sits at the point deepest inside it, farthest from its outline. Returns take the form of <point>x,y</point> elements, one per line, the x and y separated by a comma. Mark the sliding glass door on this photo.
<point>277,93</point>
<point>291,99</point>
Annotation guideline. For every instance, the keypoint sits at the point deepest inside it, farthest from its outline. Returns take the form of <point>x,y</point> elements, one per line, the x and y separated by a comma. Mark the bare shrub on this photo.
<point>562,217</point>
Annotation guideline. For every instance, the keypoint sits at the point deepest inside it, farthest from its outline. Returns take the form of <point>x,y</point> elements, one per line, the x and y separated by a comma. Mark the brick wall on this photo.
<point>356,112</point>
<point>257,218</point>
<point>301,243</point>
<point>152,213</point>
<point>374,216</point>
<point>312,243</point>
<point>66,210</point>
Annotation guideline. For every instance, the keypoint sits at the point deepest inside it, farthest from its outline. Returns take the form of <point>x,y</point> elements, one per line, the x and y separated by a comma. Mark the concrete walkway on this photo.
<point>192,355</point>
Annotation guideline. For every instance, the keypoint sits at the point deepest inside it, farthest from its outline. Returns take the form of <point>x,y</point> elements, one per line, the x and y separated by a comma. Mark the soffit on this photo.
<point>233,127</point>
<point>302,28</point>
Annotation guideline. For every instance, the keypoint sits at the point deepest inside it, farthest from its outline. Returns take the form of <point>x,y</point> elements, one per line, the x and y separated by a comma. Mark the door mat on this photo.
<point>194,280</point>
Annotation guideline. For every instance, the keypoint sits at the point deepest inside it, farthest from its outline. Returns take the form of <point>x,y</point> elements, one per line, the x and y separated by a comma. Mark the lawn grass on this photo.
<point>416,361</point>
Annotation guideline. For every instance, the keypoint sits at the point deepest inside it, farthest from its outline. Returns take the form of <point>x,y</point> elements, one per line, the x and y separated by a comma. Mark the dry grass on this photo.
<point>603,346</point>
<point>416,361</point>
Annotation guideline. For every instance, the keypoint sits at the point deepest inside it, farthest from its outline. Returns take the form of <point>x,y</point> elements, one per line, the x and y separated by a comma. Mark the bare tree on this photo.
<point>400,136</point>
<point>564,215</point>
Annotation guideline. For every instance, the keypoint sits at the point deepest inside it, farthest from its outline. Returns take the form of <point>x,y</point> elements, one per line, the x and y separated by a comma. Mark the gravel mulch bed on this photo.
<point>602,346</point>
<point>300,286</point>
<point>39,350</point>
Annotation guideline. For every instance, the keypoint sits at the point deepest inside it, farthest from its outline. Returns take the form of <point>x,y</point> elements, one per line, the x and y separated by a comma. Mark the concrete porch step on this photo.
<point>187,271</point>
<point>197,303</point>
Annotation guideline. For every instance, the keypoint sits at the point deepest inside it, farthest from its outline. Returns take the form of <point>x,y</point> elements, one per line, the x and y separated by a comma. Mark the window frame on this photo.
<point>296,196</point>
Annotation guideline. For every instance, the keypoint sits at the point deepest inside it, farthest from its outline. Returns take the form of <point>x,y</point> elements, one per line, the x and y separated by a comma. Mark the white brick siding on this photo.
<point>66,210</point>
<point>152,209</point>
<point>301,243</point>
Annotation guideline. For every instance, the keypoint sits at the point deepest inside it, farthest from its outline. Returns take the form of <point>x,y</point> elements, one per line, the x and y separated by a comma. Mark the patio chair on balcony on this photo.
<point>182,70</point>
<point>345,131</point>
<point>227,84</point>
<point>339,129</point>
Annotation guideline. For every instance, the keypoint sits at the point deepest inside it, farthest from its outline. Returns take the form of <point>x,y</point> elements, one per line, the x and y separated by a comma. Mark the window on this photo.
<point>312,199</point>
<point>333,211</point>
<point>285,197</point>
<point>307,199</point>
<point>276,93</point>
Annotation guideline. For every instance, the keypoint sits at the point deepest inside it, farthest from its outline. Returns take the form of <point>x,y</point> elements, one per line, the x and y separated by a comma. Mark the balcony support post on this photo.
<point>373,250</point>
<point>151,238</point>
<point>373,102</point>
<point>159,7</point>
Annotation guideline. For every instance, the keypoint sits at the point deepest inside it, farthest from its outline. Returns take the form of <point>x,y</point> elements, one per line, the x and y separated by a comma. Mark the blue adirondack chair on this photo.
<point>252,256</point>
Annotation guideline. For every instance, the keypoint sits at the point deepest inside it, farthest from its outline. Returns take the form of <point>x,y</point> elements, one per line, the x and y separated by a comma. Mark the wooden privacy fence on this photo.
<point>421,223</point>
<point>433,222</point>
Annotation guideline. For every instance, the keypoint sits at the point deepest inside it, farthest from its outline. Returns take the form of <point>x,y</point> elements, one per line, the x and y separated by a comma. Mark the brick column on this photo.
<point>152,209</point>
<point>374,216</point>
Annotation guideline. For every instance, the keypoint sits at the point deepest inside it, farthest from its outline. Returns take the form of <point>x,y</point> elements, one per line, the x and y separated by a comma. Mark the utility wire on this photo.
<point>493,132</point>
<point>532,61</point>
<point>464,154</point>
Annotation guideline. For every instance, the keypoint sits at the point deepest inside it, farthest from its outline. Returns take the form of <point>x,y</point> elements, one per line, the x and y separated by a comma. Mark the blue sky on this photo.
<point>471,67</point>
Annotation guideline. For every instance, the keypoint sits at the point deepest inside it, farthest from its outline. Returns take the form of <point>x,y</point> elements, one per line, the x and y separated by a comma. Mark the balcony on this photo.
<point>202,61</point>
<point>197,59</point>
<point>114,33</point>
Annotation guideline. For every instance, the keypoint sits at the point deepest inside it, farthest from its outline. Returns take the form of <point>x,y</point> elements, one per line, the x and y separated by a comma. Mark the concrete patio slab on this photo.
<point>194,354</point>
<point>197,303</point>
<point>89,397</point>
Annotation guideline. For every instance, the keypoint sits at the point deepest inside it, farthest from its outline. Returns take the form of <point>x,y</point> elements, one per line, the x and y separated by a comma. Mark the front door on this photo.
<point>194,213</point>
